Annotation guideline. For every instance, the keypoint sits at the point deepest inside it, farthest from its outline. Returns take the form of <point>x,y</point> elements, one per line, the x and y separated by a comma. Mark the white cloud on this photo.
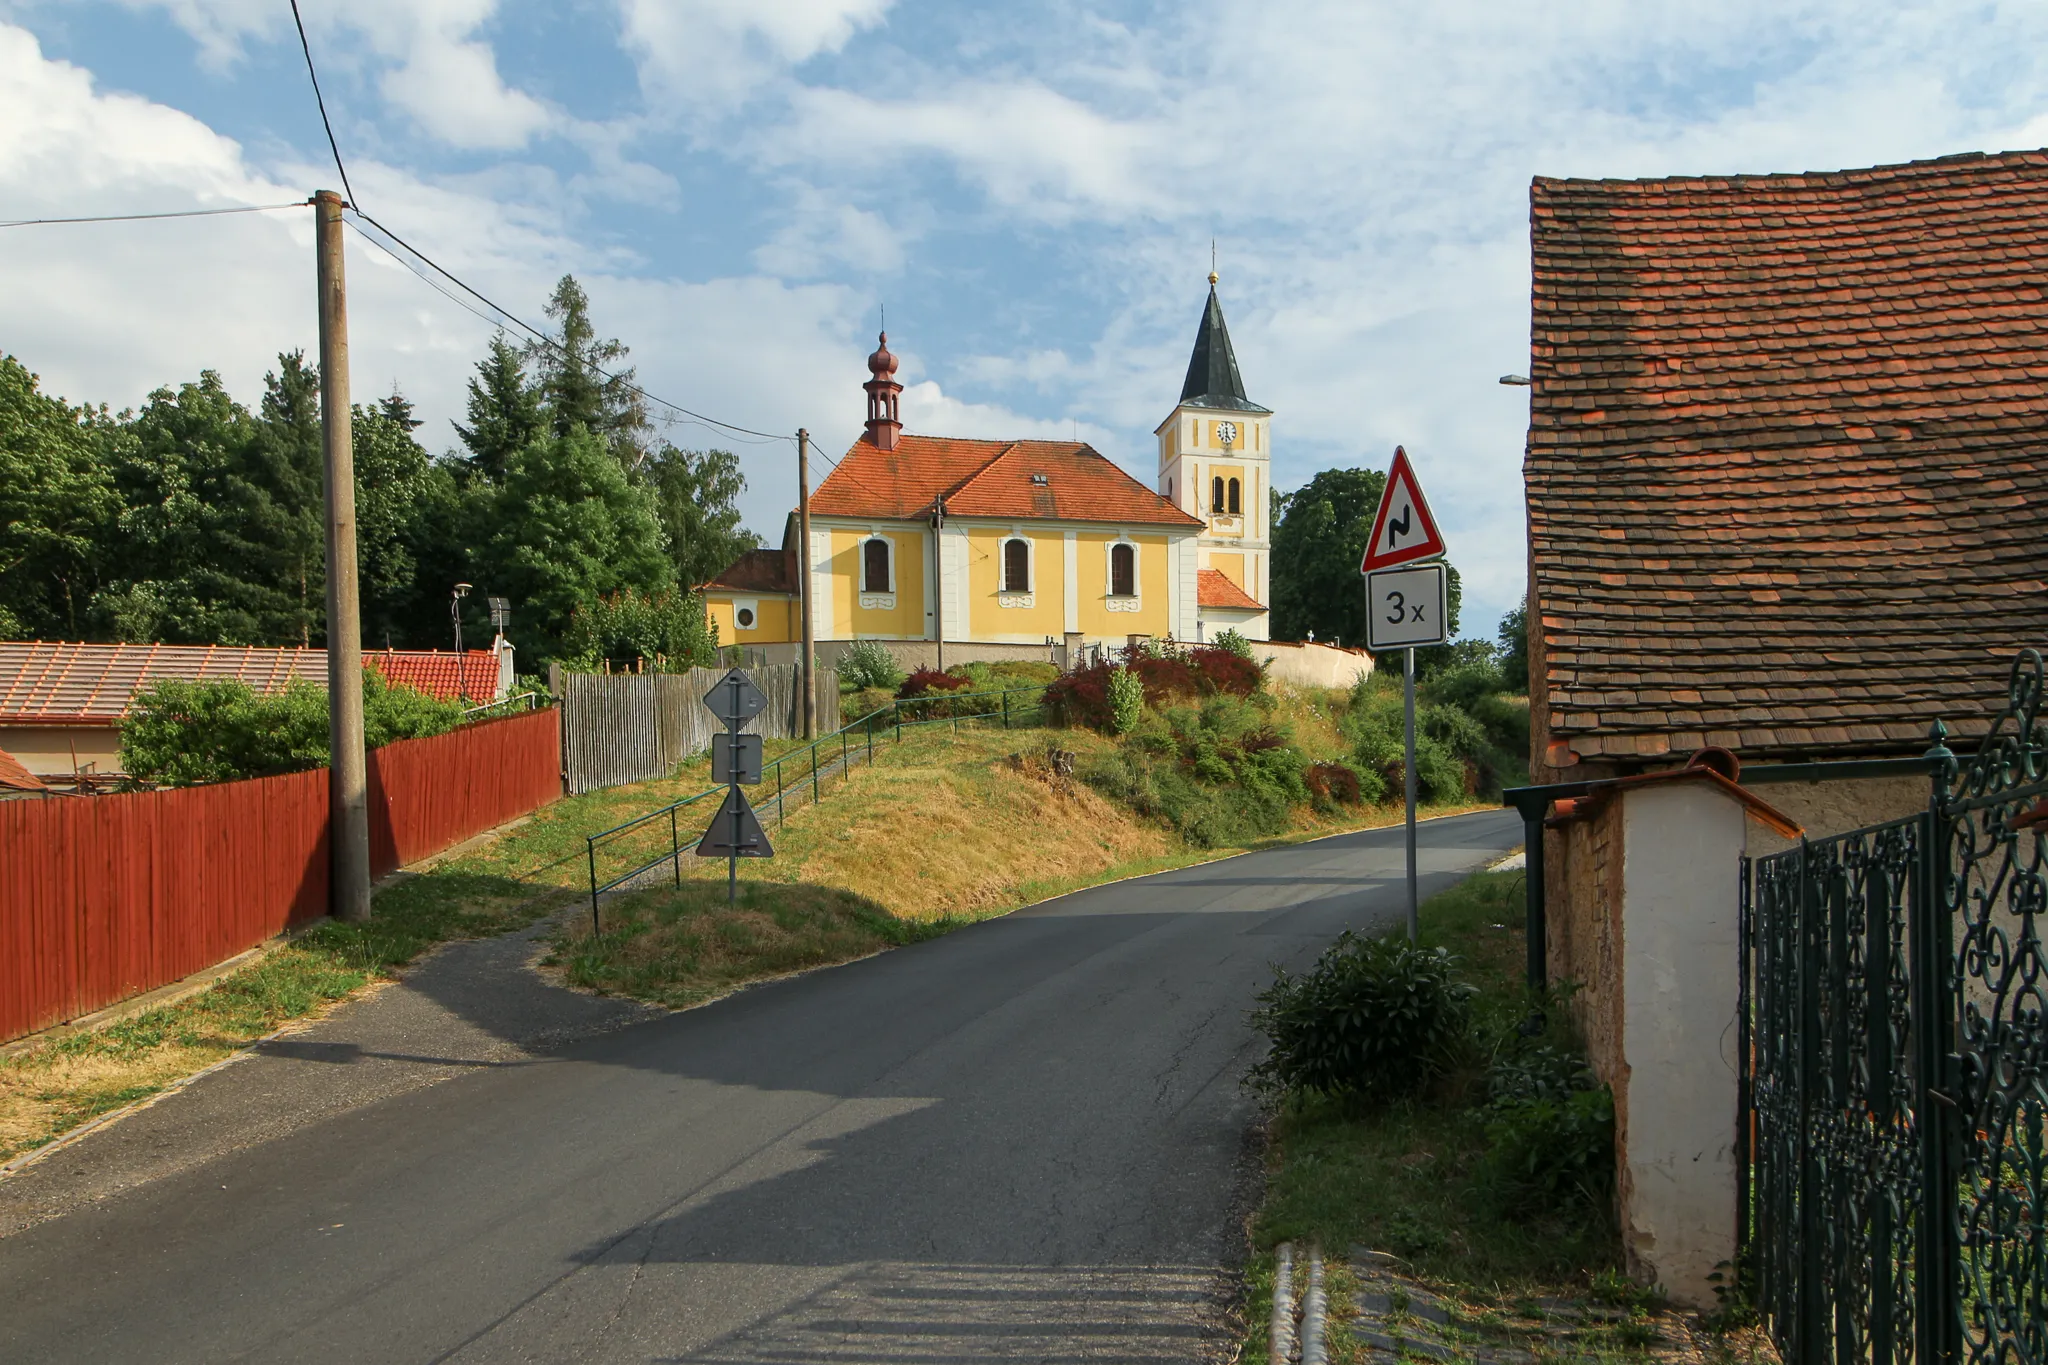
<point>821,230</point>
<point>716,52</point>
<point>434,68</point>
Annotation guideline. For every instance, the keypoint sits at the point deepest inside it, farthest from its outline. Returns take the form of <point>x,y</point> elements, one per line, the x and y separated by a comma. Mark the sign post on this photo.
<point>1406,607</point>
<point>735,759</point>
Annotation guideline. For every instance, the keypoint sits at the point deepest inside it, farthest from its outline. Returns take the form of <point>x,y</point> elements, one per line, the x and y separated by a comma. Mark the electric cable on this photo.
<point>321,101</point>
<point>138,217</point>
<point>539,337</point>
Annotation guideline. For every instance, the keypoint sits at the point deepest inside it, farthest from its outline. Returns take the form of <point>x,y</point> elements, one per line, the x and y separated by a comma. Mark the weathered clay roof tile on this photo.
<point>1815,403</point>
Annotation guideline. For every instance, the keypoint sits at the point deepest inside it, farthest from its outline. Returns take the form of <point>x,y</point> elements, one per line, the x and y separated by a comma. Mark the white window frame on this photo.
<point>1109,592</point>
<point>1003,564</point>
<point>889,544</point>
<point>740,604</point>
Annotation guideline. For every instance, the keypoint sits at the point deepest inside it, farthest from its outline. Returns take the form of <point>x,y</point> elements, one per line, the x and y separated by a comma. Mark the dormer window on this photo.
<point>1041,480</point>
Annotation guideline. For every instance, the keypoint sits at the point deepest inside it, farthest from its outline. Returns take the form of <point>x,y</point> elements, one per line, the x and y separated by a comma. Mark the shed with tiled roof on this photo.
<point>1786,472</point>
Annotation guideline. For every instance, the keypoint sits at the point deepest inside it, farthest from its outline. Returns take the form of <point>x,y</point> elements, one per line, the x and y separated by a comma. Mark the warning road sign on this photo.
<point>1403,530</point>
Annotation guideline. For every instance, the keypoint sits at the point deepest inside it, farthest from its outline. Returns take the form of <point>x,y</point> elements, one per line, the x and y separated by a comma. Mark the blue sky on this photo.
<point>1029,188</point>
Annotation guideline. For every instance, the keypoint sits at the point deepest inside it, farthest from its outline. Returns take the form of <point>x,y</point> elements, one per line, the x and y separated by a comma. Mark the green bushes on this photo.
<point>1126,697</point>
<point>1375,1018</point>
<point>181,733</point>
<point>1549,1134</point>
<point>869,664</point>
<point>1471,739</point>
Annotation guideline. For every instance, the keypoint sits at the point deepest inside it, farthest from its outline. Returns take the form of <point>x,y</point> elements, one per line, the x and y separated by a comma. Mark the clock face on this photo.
<point>1227,433</point>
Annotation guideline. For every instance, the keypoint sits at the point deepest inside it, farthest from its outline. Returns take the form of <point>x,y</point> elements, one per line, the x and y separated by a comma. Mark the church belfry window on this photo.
<point>1216,494</point>
<point>1236,499</point>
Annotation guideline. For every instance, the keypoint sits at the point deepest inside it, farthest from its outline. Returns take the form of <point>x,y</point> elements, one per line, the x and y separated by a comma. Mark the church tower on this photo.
<point>1214,462</point>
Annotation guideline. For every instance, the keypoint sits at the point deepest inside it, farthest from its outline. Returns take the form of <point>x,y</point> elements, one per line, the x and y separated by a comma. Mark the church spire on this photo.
<point>1213,381</point>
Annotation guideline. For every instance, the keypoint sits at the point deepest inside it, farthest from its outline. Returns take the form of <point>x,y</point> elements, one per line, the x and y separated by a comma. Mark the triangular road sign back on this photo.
<point>719,840</point>
<point>1403,529</point>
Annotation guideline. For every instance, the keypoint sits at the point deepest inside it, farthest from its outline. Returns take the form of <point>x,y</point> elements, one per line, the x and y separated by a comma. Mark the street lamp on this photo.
<point>455,614</point>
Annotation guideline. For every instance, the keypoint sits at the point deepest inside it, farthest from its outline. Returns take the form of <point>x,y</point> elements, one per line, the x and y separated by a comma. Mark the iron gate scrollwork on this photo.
<point>1895,1078</point>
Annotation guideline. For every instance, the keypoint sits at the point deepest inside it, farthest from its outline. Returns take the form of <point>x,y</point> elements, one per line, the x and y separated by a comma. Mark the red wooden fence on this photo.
<point>105,897</point>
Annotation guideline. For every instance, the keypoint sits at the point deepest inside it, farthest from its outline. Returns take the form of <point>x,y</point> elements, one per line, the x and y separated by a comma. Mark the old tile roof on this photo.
<point>769,571</point>
<point>1213,588</point>
<point>15,778</point>
<point>989,479</point>
<point>52,683</point>
<point>1787,479</point>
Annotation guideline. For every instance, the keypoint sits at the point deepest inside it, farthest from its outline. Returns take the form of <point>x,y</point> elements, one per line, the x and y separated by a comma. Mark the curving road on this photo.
<point>1024,1141</point>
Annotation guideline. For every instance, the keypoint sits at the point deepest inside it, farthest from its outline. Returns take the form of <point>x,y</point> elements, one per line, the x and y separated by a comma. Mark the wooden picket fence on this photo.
<point>635,727</point>
<point>106,897</point>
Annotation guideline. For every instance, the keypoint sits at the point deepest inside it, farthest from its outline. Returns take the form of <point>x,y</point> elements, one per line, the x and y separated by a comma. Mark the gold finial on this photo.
<point>1212,262</point>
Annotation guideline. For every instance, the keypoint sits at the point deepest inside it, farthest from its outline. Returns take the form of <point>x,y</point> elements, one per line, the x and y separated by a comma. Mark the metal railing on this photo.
<point>799,773</point>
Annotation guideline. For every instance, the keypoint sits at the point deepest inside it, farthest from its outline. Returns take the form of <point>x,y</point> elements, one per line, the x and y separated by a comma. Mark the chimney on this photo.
<point>884,426</point>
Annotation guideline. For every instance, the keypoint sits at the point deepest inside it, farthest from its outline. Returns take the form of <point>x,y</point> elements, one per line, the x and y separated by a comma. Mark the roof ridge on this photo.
<point>984,467</point>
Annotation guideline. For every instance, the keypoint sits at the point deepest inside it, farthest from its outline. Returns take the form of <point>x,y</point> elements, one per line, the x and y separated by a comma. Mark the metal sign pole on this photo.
<point>1408,780</point>
<point>732,792</point>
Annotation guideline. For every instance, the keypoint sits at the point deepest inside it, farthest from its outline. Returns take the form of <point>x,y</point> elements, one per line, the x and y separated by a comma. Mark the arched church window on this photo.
<point>1216,494</point>
<point>1016,565</point>
<point>1123,570</point>
<point>1236,499</point>
<point>874,565</point>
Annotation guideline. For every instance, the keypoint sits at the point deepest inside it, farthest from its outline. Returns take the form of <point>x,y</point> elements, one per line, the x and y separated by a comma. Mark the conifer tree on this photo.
<point>583,383</point>
<point>504,410</point>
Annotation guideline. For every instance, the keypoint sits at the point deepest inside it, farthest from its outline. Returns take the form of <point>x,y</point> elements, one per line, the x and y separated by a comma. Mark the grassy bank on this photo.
<point>50,1089</point>
<point>1411,1180</point>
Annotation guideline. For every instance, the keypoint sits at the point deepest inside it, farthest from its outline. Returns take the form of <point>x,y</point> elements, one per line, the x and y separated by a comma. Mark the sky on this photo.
<point>1029,189</point>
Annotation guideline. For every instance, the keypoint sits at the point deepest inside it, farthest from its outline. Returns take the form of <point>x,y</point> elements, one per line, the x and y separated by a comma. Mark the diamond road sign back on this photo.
<point>734,699</point>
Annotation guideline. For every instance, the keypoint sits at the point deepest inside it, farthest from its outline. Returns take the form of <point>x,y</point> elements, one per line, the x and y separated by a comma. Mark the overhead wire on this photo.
<point>321,101</point>
<point>138,217</point>
<point>504,315</point>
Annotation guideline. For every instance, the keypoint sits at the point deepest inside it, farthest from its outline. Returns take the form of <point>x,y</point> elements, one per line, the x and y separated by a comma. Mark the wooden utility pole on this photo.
<point>808,671</point>
<point>348,835</point>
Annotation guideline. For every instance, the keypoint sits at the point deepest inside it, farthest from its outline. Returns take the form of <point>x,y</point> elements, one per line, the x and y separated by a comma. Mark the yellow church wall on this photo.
<point>1092,563</point>
<point>1230,566</point>
<point>777,620</point>
<point>906,620</point>
<point>987,617</point>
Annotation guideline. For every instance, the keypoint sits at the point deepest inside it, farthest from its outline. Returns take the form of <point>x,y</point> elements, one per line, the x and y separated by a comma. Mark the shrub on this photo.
<point>926,681</point>
<point>179,733</point>
<point>1463,685</point>
<point>868,663</point>
<point>1223,670</point>
<point>1374,1018</point>
<point>1232,642</point>
<point>667,629</point>
<point>1334,784</point>
<point>1549,1131</point>
<point>1126,696</point>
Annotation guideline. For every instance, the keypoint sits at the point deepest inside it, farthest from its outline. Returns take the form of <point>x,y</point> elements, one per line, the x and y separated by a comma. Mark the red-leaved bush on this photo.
<point>1082,697</point>
<point>926,681</point>
<point>1332,782</point>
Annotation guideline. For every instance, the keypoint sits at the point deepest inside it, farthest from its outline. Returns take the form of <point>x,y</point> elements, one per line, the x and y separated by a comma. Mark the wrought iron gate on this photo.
<point>1895,1070</point>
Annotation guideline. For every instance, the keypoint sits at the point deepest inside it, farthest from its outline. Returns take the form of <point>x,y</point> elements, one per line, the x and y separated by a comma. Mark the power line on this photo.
<point>321,101</point>
<point>140,217</point>
<point>504,315</point>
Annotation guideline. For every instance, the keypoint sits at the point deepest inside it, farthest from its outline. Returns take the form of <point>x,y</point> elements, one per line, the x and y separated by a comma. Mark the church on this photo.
<point>1015,548</point>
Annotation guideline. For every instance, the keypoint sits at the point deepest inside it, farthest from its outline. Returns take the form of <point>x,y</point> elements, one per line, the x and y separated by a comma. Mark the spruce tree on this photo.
<point>504,410</point>
<point>583,383</point>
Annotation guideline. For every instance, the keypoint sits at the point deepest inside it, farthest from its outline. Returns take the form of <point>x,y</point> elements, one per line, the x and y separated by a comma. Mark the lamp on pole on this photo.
<point>455,614</point>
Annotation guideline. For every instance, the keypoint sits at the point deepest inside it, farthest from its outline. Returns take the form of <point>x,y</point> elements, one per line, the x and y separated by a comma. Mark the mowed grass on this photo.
<point>47,1090</point>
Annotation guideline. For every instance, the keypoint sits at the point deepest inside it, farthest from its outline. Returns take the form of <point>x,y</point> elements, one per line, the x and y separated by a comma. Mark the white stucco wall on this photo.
<point>1676,1108</point>
<point>1310,665</point>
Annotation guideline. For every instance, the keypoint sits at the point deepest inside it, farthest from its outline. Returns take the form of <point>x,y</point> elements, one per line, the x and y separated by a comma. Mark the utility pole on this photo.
<point>348,772</point>
<point>808,671</point>
<point>939,578</point>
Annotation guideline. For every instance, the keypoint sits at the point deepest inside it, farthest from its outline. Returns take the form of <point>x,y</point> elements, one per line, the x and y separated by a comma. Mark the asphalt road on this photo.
<point>1024,1141</point>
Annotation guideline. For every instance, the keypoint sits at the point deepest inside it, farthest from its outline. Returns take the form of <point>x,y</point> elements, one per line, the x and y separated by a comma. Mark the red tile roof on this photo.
<point>1213,588</point>
<point>48,683</point>
<point>769,571</point>
<point>1786,474</point>
<point>14,777</point>
<point>990,479</point>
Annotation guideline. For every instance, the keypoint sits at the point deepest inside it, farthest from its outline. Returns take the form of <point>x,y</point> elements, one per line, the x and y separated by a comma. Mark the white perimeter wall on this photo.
<point>1677,1112</point>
